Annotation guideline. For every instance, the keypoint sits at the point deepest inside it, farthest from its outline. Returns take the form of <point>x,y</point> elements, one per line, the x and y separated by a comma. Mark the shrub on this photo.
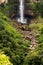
<point>4,60</point>
<point>38,8</point>
<point>35,57</point>
<point>12,43</point>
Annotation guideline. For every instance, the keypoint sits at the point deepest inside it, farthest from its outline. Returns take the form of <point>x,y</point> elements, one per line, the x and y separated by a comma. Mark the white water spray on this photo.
<point>21,12</point>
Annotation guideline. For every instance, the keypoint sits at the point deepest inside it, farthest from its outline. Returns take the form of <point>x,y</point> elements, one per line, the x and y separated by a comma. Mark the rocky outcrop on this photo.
<point>3,1</point>
<point>14,11</point>
<point>29,13</point>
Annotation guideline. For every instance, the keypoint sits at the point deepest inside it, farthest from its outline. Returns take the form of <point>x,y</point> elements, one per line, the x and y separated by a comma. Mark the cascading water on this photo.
<point>21,12</point>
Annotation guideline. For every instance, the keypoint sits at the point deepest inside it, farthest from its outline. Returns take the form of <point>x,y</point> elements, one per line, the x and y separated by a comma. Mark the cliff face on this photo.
<point>14,7</point>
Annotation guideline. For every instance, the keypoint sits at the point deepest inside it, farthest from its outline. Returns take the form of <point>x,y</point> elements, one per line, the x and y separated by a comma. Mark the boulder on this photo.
<point>3,1</point>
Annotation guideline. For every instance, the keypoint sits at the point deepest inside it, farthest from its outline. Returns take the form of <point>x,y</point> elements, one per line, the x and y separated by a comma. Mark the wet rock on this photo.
<point>28,38</point>
<point>37,42</point>
<point>31,36</point>
<point>29,29</point>
<point>23,28</point>
<point>29,13</point>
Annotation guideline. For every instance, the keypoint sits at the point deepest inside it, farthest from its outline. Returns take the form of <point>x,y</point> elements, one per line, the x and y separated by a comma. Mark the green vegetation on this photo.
<point>4,60</point>
<point>16,49</point>
<point>14,46</point>
<point>37,29</point>
<point>37,8</point>
<point>35,57</point>
<point>11,42</point>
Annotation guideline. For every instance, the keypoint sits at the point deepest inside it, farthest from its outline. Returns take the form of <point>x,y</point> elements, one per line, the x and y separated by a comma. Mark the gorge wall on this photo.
<point>14,6</point>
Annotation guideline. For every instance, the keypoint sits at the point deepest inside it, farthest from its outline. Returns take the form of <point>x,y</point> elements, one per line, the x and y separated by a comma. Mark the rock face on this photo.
<point>14,11</point>
<point>29,13</point>
<point>28,9</point>
<point>3,1</point>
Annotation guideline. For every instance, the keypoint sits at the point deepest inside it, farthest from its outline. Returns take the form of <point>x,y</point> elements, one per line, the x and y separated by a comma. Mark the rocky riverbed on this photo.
<point>27,33</point>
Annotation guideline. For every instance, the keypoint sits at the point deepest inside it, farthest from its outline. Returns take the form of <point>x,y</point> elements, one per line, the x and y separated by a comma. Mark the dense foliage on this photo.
<point>37,8</point>
<point>4,60</point>
<point>14,46</point>
<point>11,42</point>
<point>35,57</point>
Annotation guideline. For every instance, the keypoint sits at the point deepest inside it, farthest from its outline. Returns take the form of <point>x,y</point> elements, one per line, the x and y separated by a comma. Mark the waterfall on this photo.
<point>21,12</point>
